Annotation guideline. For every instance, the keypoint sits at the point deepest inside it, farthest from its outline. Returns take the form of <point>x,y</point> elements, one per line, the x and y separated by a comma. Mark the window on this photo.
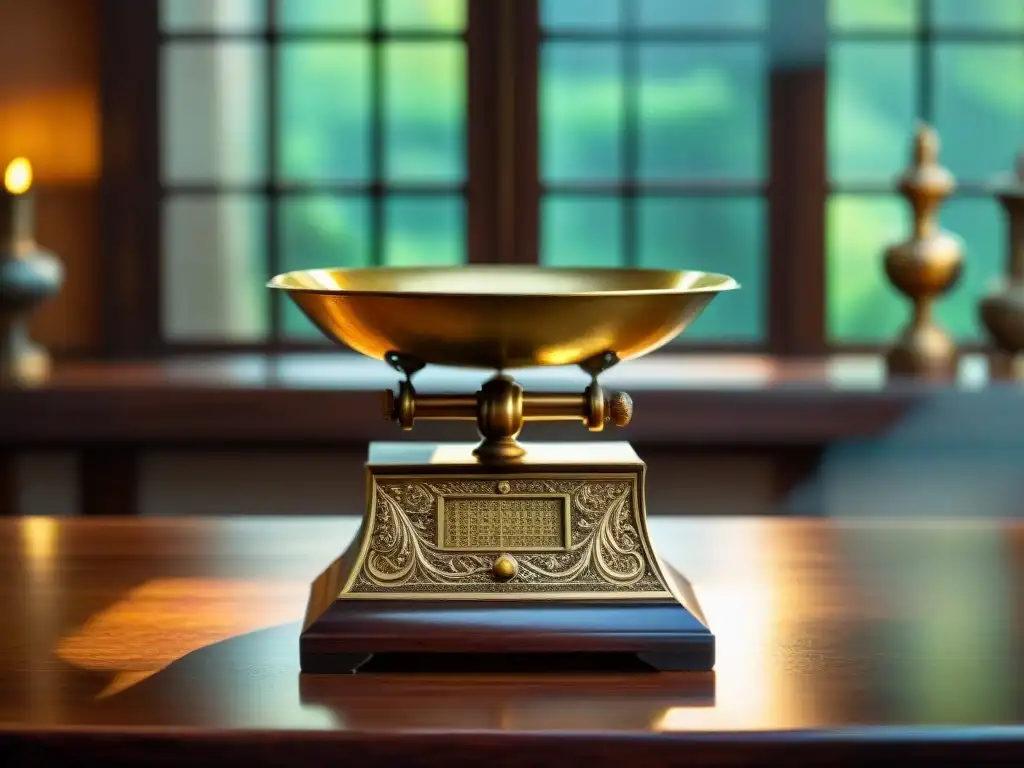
<point>652,143</point>
<point>304,133</point>
<point>760,138</point>
<point>957,65</point>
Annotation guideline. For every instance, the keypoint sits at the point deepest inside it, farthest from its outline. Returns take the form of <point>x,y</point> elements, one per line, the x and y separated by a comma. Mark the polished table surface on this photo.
<point>175,640</point>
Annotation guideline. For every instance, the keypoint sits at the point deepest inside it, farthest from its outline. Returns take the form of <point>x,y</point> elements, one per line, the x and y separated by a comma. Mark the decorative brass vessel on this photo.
<point>1002,311</point>
<point>536,548</point>
<point>925,266</point>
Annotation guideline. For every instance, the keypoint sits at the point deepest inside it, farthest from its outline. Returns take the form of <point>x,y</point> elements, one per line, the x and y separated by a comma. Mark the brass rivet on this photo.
<point>503,486</point>
<point>504,567</point>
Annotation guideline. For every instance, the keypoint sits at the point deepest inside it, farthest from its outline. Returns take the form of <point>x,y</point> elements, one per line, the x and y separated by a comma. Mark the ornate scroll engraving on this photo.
<point>506,523</point>
<point>602,547</point>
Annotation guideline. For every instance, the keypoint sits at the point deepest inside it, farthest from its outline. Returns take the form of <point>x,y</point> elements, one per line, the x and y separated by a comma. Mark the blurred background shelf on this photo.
<point>302,400</point>
<point>736,432</point>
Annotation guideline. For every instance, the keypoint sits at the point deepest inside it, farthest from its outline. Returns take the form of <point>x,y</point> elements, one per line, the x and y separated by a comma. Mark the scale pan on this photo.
<point>501,317</point>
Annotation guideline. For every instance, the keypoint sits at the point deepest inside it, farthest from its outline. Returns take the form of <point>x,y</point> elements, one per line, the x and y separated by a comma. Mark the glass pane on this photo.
<point>213,15</point>
<point>871,110</point>
<point>581,109</point>
<point>713,235</point>
<point>436,15</point>
<point>861,306</point>
<point>323,15</point>
<point>580,14</point>
<point>214,268</point>
<point>321,231</point>
<point>701,111</point>
<point>887,15</point>
<point>995,15</point>
<point>979,107</point>
<point>734,14</point>
<point>581,232</point>
<point>424,231</point>
<point>213,104</point>
<point>324,111</point>
<point>425,111</point>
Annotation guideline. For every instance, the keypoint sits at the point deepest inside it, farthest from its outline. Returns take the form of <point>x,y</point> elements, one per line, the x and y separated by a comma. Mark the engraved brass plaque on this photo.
<point>573,534</point>
<point>512,523</point>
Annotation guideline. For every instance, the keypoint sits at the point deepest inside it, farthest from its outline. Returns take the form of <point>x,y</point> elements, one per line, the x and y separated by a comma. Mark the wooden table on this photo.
<point>174,641</point>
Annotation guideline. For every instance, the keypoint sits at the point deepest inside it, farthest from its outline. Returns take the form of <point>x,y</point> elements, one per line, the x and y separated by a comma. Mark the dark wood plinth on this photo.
<point>508,635</point>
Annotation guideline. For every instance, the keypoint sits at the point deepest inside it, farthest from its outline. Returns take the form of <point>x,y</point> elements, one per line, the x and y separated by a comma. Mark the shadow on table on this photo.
<point>253,680</point>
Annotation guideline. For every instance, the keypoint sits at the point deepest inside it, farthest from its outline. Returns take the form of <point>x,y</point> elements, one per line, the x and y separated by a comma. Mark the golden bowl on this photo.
<point>501,317</point>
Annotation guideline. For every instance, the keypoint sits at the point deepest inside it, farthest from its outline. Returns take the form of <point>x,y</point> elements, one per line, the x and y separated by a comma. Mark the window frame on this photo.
<point>503,185</point>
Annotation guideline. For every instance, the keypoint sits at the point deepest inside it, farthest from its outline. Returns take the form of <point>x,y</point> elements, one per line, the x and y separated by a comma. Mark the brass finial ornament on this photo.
<point>1002,311</point>
<point>500,547</point>
<point>925,266</point>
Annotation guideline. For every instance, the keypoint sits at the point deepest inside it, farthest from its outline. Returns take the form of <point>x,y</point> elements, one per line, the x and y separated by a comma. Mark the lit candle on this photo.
<point>28,276</point>
<point>17,206</point>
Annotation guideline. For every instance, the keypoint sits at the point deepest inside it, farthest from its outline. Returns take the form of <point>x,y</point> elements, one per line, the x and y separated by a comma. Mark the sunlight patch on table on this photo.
<point>162,620</point>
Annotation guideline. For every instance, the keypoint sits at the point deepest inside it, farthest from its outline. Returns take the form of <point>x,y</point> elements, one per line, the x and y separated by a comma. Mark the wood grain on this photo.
<point>175,641</point>
<point>798,188</point>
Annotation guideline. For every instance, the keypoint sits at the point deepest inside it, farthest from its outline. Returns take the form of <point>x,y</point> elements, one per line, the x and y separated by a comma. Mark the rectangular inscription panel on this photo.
<point>510,523</point>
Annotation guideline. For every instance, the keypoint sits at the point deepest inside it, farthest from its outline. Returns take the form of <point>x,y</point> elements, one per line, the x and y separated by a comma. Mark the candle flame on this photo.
<point>18,176</point>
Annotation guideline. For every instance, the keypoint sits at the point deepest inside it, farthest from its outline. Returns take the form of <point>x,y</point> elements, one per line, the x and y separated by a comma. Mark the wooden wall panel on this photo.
<point>68,224</point>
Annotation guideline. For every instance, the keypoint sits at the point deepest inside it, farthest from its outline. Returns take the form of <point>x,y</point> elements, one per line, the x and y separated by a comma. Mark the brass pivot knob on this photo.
<point>500,409</point>
<point>620,409</point>
<point>504,567</point>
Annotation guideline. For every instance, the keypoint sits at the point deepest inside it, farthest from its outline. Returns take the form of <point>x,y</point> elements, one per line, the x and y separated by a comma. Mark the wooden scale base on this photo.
<point>548,557</point>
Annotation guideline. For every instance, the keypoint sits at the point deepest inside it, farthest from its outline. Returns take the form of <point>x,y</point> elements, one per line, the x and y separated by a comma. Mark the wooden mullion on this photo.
<point>379,193</point>
<point>521,206</point>
<point>798,177</point>
<point>130,175</point>
<point>482,127</point>
<point>273,263</point>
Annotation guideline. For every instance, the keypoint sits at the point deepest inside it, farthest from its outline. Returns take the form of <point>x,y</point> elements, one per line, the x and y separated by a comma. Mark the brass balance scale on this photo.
<point>500,547</point>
